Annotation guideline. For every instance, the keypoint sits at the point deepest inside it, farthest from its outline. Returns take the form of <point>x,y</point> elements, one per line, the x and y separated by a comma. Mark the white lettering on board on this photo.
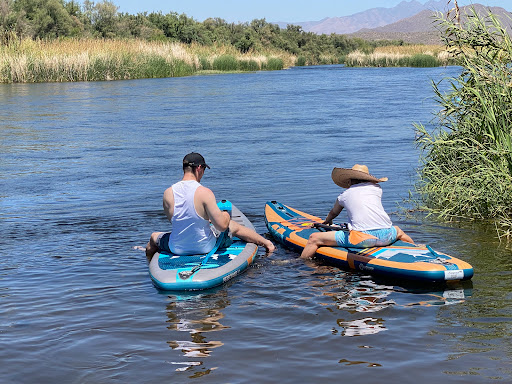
<point>453,275</point>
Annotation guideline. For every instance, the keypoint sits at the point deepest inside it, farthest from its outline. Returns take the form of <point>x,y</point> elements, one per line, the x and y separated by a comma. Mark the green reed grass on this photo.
<point>273,64</point>
<point>109,67</point>
<point>205,63</point>
<point>37,61</point>
<point>248,65</point>
<point>466,167</point>
<point>301,61</point>
<point>423,60</point>
<point>392,60</point>
<point>225,63</point>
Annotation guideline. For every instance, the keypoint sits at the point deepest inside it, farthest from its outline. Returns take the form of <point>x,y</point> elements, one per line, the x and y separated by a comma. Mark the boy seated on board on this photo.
<point>369,225</point>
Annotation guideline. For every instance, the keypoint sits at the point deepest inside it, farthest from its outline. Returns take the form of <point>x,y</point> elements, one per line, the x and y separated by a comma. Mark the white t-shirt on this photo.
<point>364,207</point>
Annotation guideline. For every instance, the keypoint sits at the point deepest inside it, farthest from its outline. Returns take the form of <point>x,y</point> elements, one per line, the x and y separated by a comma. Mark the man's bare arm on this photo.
<point>219,219</point>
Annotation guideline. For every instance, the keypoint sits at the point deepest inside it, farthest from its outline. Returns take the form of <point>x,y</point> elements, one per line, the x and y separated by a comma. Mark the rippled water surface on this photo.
<point>82,170</point>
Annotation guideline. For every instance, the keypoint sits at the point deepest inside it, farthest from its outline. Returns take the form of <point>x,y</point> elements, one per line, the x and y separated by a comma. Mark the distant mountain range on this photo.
<point>371,18</point>
<point>410,21</point>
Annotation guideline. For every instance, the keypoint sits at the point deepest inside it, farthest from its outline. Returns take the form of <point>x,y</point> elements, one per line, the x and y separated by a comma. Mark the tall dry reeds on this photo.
<point>94,59</point>
<point>401,56</point>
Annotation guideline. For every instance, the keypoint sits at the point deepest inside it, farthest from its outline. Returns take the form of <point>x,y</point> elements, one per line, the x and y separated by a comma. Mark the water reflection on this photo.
<point>359,296</point>
<point>355,296</point>
<point>352,362</point>
<point>194,315</point>
<point>364,297</point>
<point>360,327</point>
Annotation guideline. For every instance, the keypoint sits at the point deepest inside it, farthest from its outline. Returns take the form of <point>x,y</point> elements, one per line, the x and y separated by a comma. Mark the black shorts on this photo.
<point>162,241</point>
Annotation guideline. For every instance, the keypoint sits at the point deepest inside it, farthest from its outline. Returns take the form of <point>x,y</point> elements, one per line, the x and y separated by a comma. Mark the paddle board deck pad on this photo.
<point>193,272</point>
<point>401,260</point>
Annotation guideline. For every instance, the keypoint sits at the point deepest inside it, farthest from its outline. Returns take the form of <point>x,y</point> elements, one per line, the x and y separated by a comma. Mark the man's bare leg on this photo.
<point>317,240</point>
<point>250,236</point>
<point>401,235</point>
<point>151,247</point>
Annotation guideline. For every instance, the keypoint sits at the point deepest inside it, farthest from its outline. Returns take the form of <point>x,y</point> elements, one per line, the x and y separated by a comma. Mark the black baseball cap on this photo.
<point>194,159</point>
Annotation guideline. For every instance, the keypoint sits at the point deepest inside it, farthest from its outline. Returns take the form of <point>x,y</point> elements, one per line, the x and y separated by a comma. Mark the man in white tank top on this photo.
<point>191,208</point>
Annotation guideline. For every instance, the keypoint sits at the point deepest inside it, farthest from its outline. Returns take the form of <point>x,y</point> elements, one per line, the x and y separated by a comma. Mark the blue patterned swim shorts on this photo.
<point>366,239</point>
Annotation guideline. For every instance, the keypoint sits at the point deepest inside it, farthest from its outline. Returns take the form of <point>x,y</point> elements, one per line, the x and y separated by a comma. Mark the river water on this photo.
<point>82,170</point>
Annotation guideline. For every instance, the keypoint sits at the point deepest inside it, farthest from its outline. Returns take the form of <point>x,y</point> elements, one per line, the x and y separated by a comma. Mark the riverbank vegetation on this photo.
<point>401,56</point>
<point>30,60</point>
<point>467,158</point>
<point>57,40</point>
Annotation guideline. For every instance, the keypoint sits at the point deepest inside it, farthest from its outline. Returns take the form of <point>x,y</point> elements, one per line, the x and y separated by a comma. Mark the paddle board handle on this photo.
<point>225,205</point>
<point>432,251</point>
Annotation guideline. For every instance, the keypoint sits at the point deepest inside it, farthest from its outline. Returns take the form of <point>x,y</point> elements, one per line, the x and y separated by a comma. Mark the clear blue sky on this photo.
<point>271,10</point>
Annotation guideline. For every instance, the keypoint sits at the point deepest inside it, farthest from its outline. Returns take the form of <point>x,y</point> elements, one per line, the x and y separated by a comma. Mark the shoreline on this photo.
<point>72,60</point>
<point>77,60</point>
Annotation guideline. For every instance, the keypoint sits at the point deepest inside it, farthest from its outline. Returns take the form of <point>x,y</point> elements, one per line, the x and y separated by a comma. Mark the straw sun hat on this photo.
<point>342,176</point>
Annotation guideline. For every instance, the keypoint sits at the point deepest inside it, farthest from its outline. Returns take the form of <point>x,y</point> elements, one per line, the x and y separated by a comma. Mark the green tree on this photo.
<point>7,15</point>
<point>246,42</point>
<point>220,30</point>
<point>168,24</point>
<point>44,18</point>
<point>138,26</point>
<point>293,39</point>
<point>8,22</point>
<point>264,34</point>
<point>104,18</point>
<point>190,31</point>
<point>73,8</point>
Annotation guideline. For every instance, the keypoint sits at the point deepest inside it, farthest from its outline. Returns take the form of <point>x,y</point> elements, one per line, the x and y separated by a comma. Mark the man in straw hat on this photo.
<point>369,225</point>
<point>196,219</point>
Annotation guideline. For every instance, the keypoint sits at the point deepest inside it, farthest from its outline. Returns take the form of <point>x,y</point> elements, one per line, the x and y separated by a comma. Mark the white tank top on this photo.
<point>191,234</point>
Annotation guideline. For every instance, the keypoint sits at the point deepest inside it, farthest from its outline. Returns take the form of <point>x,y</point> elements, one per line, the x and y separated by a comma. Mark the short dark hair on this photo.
<point>188,167</point>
